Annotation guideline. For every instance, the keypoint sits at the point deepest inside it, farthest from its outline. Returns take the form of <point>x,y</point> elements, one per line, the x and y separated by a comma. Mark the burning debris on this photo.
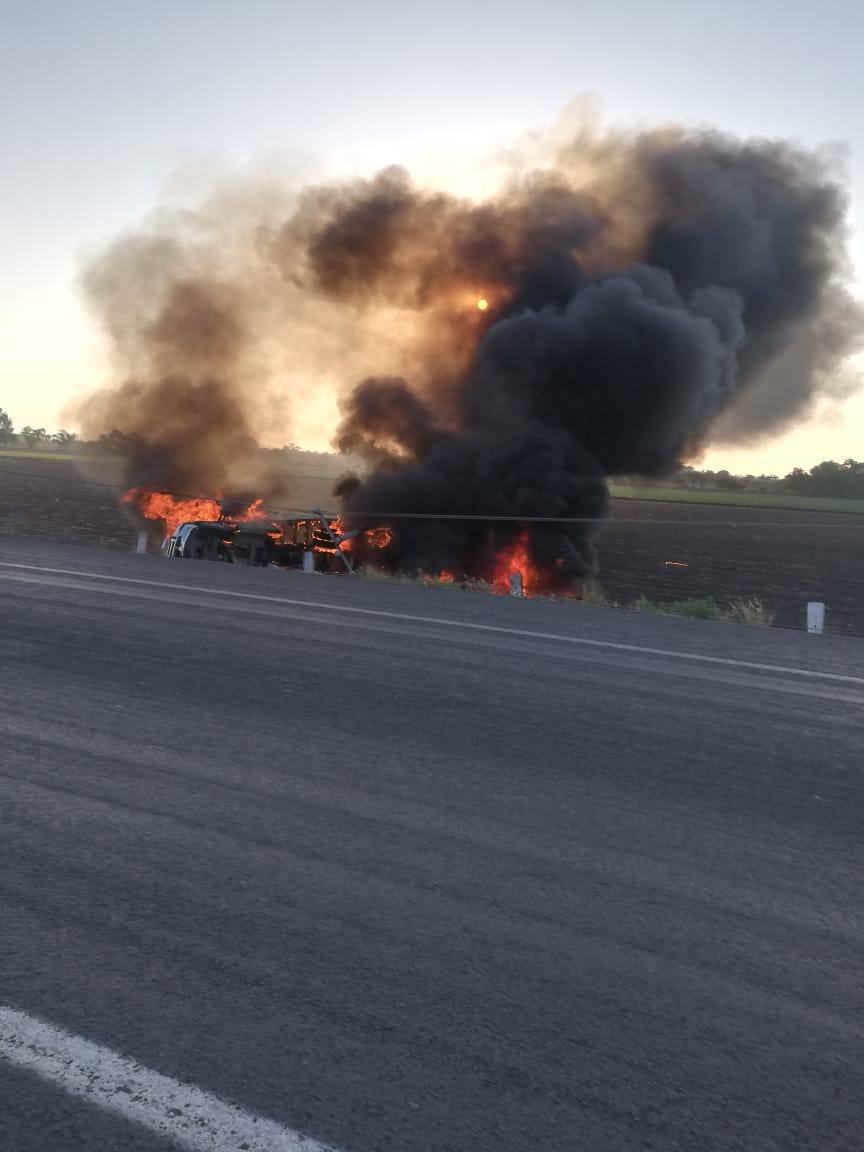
<point>260,542</point>
<point>204,529</point>
<point>603,314</point>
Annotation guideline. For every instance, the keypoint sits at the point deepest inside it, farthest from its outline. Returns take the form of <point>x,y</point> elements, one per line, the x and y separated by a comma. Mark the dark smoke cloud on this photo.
<point>385,240</point>
<point>646,292</point>
<point>628,315</point>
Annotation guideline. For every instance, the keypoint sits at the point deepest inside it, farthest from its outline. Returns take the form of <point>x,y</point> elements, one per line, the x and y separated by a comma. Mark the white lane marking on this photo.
<point>191,1118</point>
<point>615,645</point>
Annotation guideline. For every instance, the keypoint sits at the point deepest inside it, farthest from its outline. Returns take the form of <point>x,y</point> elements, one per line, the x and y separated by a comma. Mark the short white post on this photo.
<point>815,617</point>
<point>308,561</point>
<point>516,584</point>
<point>141,543</point>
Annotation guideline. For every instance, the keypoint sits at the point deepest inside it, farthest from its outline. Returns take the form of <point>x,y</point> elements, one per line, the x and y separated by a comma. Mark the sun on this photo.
<point>482,304</point>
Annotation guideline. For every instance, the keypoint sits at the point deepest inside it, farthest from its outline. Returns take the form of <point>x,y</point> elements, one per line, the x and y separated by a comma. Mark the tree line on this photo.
<point>124,444</point>
<point>32,437</point>
<point>830,478</point>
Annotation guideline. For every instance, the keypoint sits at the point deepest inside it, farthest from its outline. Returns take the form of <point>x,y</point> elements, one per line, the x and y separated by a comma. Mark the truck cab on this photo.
<point>198,540</point>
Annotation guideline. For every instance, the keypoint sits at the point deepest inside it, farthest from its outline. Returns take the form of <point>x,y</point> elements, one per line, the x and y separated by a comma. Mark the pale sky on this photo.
<point>102,102</point>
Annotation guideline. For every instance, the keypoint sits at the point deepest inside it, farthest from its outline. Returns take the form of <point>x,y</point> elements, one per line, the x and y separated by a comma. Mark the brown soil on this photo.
<point>51,499</point>
<point>61,500</point>
<point>781,557</point>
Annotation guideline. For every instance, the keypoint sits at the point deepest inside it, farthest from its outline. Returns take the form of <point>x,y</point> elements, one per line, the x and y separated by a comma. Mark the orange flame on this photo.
<point>336,525</point>
<point>373,537</point>
<point>176,510</point>
<point>512,559</point>
<point>378,537</point>
<point>443,577</point>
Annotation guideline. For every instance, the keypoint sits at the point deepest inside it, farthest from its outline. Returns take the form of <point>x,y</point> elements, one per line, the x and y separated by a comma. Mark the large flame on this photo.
<point>513,559</point>
<point>176,510</point>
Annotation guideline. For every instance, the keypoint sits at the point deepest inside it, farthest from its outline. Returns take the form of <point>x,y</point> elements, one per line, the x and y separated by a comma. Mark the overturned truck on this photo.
<point>307,542</point>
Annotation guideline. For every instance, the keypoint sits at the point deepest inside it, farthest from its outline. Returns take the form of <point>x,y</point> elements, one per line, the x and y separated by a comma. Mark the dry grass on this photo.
<point>594,596</point>
<point>381,575</point>
<point>697,608</point>
<point>751,612</point>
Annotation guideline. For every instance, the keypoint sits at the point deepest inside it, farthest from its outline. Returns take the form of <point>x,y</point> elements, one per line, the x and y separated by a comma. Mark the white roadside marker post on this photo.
<point>516,584</point>
<point>141,543</point>
<point>816,617</point>
<point>308,561</point>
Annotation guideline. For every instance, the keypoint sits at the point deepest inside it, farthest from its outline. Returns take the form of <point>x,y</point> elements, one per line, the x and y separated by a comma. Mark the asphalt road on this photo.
<point>423,871</point>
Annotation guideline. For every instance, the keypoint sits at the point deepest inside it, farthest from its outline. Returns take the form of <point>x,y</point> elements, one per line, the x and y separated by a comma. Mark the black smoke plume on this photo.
<point>627,313</point>
<point>606,313</point>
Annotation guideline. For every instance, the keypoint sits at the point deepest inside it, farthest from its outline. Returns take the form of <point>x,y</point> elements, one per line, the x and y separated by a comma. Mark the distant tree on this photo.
<point>828,479</point>
<point>727,482</point>
<point>798,481</point>
<point>65,439</point>
<point>116,443</point>
<point>7,429</point>
<point>32,437</point>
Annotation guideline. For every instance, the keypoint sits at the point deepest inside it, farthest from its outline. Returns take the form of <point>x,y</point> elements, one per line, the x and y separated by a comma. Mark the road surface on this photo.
<point>422,871</point>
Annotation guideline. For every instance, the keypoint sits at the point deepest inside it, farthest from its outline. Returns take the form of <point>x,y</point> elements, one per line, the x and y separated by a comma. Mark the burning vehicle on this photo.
<point>315,542</point>
<point>608,311</point>
<point>258,543</point>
